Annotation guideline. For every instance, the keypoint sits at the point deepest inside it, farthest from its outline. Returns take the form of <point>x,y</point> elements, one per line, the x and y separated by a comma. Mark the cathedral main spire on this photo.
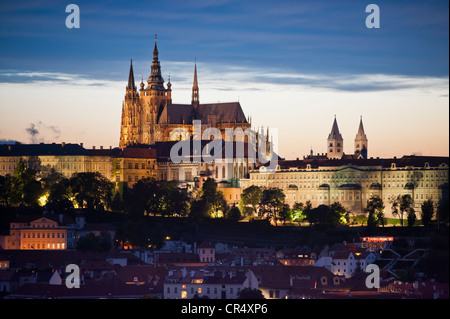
<point>155,81</point>
<point>155,50</point>
<point>195,95</point>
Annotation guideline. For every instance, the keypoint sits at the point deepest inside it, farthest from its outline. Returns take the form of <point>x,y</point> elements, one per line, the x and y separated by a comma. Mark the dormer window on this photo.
<point>336,280</point>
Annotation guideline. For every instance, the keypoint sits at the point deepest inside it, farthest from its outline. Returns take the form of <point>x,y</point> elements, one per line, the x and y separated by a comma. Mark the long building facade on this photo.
<point>352,179</point>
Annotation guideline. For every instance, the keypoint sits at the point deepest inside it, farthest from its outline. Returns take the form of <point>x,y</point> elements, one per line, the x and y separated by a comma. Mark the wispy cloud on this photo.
<point>223,77</point>
<point>40,132</point>
<point>226,78</point>
<point>10,76</point>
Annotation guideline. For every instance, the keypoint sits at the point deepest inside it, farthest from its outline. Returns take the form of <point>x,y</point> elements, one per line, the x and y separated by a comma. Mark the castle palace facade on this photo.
<point>149,116</point>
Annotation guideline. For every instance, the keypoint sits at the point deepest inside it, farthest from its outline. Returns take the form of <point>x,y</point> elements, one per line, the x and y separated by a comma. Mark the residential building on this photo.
<point>209,282</point>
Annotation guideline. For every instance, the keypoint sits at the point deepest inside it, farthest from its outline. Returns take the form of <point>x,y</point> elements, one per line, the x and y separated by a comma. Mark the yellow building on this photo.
<point>353,181</point>
<point>127,165</point>
<point>133,164</point>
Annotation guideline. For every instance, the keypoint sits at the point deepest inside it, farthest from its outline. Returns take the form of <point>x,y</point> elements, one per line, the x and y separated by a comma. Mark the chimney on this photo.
<point>63,144</point>
<point>101,147</point>
<point>81,144</point>
<point>93,147</point>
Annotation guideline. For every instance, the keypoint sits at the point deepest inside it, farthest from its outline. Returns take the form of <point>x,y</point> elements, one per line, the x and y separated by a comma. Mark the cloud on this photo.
<point>226,78</point>
<point>237,78</point>
<point>38,132</point>
<point>12,76</point>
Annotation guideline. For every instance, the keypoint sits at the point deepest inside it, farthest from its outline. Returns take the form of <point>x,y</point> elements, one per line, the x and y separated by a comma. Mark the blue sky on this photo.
<point>243,48</point>
<point>303,36</point>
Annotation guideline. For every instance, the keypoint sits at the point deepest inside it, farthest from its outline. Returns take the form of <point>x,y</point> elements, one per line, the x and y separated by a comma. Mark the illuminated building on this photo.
<point>375,243</point>
<point>353,181</point>
<point>127,165</point>
<point>208,282</point>
<point>149,116</point>
<point>44,233</point>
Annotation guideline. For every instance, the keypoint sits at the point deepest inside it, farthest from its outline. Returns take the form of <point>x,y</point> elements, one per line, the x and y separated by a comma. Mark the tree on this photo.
<point>199,210</point>
<point>249,293</point>
<point>394,201</point>
<point>250,199</point>
<point>338,215</point>
<point>177,202</point>
<point>375,210</point>
<point>134,232</point>
<point>400,205</point>
<point>285,213</point>
<point>272,201</point>
<point>24,186</point>
<point>405,205</point>
<point>233,213</point>
<point>321,215</point>
<point>91,242</point>
<point>309,213</point>
<point>5,189</point>
<point>298,214</point>
<point>443,206</point>
<point>60,196</point>
<point>411,217</point>
<point>117,203</point>
<point>427,212</point>
<point>213,198</point>
<point>91,190</point>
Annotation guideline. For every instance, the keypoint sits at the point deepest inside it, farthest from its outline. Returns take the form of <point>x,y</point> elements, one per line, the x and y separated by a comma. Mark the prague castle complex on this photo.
<point>149,116</point>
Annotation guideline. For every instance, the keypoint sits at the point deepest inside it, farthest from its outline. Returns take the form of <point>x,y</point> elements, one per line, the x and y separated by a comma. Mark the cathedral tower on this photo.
<point>335,142</point>
<point>140,111</point>
<point>129,128</point>
<point>361,141</point>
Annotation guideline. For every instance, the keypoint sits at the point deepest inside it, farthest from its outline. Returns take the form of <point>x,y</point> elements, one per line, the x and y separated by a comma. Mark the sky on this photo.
<point>292,65</point>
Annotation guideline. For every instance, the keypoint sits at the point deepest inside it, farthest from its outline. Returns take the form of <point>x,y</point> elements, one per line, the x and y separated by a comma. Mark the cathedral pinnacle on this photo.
<point>195,93</point>
<point>131,85</point>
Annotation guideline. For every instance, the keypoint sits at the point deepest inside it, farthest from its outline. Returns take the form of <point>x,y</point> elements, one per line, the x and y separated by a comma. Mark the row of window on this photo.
<point>199,290</point>
<point>44,246</point>
<point>417,175</point>
<point>137,166</point>
<point>43,235</point>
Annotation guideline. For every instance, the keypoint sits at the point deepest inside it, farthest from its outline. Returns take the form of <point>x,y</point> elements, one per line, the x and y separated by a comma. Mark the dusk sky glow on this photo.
<point>293,65</point>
